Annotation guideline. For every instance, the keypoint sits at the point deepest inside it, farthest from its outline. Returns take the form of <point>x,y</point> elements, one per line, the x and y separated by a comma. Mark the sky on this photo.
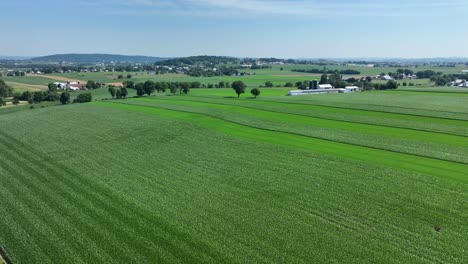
<point>241,28</point>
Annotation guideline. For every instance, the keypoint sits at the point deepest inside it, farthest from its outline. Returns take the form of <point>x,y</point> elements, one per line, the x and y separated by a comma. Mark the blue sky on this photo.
<point>247,28</point>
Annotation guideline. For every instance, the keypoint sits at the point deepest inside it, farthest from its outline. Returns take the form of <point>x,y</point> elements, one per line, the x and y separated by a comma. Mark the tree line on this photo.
<point>327,71</point>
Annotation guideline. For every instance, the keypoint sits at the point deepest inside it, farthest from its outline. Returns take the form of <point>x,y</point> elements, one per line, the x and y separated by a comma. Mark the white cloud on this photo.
<point>341,7</point>
<point>371,8</point>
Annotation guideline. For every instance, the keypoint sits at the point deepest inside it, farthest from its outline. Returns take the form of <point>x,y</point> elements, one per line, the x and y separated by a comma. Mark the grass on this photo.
<point>32,80</point>
<point>364,116</point>
<point>256,80</point>
<point>22,87</point>
<point>410,141</point>
<point>204,178</point>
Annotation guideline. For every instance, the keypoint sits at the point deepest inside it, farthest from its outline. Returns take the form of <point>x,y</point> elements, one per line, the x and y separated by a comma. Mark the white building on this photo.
<point>348,89</point>
<point>60,85</point>
<point>325,86</point>
<point>352,88</point>
<point>386,78</point>
<point>458,82</point>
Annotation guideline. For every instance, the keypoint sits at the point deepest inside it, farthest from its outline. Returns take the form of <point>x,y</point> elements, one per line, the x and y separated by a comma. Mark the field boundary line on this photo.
<point>301,135</point>
<point>301,102</point>
<point>323,118</point>
<point>436,92</point>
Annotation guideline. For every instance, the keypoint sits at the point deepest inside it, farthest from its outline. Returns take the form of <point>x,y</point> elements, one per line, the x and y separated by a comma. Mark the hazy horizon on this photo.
<point>242,28</point>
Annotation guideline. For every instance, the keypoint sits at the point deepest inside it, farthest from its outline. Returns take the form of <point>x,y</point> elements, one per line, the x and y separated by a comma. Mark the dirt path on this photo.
<point>118,84</point>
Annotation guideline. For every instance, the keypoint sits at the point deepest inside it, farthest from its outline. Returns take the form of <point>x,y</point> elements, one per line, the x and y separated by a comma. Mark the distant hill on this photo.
<point>14,57</point>
<point>97,58</point>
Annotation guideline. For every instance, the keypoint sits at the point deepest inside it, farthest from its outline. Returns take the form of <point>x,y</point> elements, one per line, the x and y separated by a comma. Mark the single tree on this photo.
<point>255,92</point>
<point>184,88</point>
<point>65,98</point>
<point>83,98</point>
<point>324,79</point>
<point>239,87</point>
<point>123,92</point>
<point>392,85</point>
<point>173,88</point>
<point>52,87</point>
<point>112,91</point>
<point>5,90</point>
<point>118,94</point>
<point>2,102</point>
<point>269,84</point>
<point>129,76</point>
<point>37,97</point>
<point>149,87</point>
<point>15,101</point>
<point>139,89</point>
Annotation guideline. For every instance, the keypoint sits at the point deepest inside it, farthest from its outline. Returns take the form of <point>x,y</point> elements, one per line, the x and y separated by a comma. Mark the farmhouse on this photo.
<point>74,86</point>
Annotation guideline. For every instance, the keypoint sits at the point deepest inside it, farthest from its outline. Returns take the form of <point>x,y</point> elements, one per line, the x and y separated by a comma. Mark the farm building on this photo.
<point>352,88</point>
<point>325,86</point>
<point>459,83</point>
<point>348,89</point>
<point>386,78</point>
<point>464,71</point>
<point>74,86</point>
<point>60,85</point>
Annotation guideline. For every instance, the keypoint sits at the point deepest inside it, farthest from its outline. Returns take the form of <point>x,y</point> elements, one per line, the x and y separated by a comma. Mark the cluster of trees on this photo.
<point>163,86</point>
<point>336,80</point>
<point>210,72</point>
<point>47,96</point>
<point>240,87</point>
<point>15,73</point>
<point>327,71</point>
<point>426,74</point>
<point>405,71</point>
<point>260,67</point>
<point>38,96</point>
<point>266,60</point>
<point>5,90</point>
<point>83,98</point>
<point>120,76</point>
<point>443,80</point>
<point>92,85</point>
<point>390,85</point>
<point>207,61</point>
<point>119,93</point>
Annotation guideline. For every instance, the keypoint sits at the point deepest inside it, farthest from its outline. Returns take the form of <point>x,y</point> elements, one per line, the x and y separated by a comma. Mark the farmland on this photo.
<point>367,177</point>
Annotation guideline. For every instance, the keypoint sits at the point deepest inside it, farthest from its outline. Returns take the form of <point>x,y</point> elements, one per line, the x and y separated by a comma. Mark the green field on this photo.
<point>279,75</point>
<point>372,177</point>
